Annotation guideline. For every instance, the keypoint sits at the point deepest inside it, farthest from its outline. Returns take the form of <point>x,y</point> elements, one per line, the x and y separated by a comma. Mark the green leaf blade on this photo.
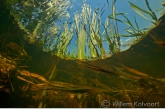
<point>138,9</point>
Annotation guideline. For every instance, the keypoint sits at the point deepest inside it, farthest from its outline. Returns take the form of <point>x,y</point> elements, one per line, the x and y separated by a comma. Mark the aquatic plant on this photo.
<point>138,10</point>
<point>88,30</point>
<point>134,31</point>
<point>91,43</point>
<point>40,20</point>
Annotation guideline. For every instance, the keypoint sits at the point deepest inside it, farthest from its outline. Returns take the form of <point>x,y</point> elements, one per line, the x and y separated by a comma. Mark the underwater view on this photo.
<point>82,53</point>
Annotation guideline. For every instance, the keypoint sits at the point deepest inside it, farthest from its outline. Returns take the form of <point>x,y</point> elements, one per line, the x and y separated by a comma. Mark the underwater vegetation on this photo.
<point>45,23</point>
<point>82,38</point>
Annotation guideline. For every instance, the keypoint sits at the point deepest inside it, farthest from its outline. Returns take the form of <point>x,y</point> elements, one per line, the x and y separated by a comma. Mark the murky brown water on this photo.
<point>135,75</point>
